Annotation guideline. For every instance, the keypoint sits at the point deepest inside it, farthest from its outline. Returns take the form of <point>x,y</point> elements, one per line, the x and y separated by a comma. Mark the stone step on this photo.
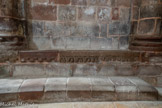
<point>76,89</point>
<point>143,48</point>
<point>147,44</point>
<point>39,70</point>
<point>147,37</point>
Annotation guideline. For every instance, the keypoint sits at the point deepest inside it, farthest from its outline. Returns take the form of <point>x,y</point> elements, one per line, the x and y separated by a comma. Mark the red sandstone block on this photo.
<point>115,13</point>
<point>60,1</point>
<point>43,12</point>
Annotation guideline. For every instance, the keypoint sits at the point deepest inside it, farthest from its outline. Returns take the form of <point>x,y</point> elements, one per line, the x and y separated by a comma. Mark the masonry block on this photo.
<point>31,70</point>
<point>123,42</point>
<point>40,43</point>
<point>104,14</point>
<point>73,42</point>
<point>101,2</point>
<point>149,70</point>
<point>150,11</point>
<point>118,28</point>
<point>87,13</point>
<point>115,13</point>
<point>5,71</point>
<point>124,14</point>
<point>64,2</point>
<point>58,70</point>
<point>67,13</point>
<point>85,70</point>
<point>36,28</point>
<point>146,26</point>
<point>124,3</point>
<point>101,43</point>
<point>88,29</point>
<point>32,89</point>
<point>79,2</point>
<point>43,12</point>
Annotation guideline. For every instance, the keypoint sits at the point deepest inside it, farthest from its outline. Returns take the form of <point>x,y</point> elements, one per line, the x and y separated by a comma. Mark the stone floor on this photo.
<point>134,104</point>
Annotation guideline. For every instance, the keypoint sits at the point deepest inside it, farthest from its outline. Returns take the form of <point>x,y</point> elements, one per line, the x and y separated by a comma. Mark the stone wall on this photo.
<point>79,24</point>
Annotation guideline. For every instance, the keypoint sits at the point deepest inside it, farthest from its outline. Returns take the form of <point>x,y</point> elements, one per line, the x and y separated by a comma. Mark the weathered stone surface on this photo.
<point>87,13</point>
<point>123,42</point>
<point>149,70</point>
<point>33,85</point>
<point>101,43</point>
<point>85,70</point>
<point>32,89</point>
<point>106,70</point>
<point>9,97</point>
<point>65,2</point>
<point>36,28</point>
<point>121,81</point>
<point>43,12</point>
<point>55,90</point>
<point>40,43</point>
<point>78,84</point>
<point>147,2</point>
<point>31,70</point>
<point>150,79</point>
<point>78,89</point>
<point>115,13</point>
<point>58,43</point>
<point>8,86</point>
<point>146,26</point>
<point>58,70</point>
<point>79,2</point>
<point>104,14</point>
<point>5,71</point>
<point>102,89</point>
<point>56,96</point>
<point>104,30</point>
<point>115,43</point>
<point>125,70</point>
<point>56,84</point>
<point>67,13</point>
<point>88,29</point>
<point>73,42</point>
<point>150,11</point>
<point>118,28</point>
<point>125,3</point>
<point>101,2</point>
<point>124,14</point>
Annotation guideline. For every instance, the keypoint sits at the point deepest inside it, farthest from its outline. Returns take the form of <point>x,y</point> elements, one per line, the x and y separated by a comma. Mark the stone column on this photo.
<point>12,28</point>
<point>147,25</point>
